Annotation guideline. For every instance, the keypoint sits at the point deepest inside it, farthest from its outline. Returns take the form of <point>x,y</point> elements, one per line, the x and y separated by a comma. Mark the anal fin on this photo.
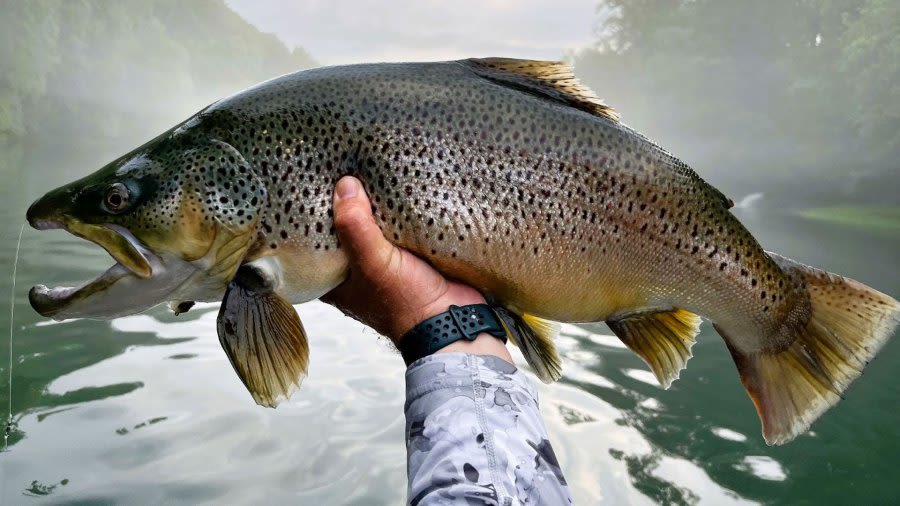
<point>663,339</point>
<point>263,337</point>
<point>534,337</point>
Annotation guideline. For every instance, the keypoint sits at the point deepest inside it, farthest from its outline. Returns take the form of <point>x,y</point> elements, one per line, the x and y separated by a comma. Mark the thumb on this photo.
<point>359,235</point>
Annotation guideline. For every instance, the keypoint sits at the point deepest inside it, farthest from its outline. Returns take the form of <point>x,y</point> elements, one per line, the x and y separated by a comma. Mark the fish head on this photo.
<point>177,215</point>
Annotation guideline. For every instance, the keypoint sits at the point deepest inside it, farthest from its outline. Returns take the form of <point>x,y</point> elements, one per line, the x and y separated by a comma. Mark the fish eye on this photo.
<point>116,199</point>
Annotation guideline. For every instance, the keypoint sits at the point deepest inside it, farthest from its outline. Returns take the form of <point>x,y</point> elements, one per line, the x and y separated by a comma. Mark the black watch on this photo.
<point>458,322</point>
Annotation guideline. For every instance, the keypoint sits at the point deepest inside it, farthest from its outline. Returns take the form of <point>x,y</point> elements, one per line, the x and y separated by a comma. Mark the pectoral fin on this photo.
<point>534,336</point>
<point>263,337</point>
<point>663,339</point>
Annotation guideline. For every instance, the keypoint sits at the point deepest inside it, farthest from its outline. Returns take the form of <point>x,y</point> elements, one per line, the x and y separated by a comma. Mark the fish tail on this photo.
<point>848,323</point>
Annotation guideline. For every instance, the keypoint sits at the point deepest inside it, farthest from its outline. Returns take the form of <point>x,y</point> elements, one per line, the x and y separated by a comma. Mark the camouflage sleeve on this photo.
<point>474,435</point>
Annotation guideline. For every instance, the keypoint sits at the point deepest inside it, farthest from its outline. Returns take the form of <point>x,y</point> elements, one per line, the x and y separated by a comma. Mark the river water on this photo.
<point>146,409</point>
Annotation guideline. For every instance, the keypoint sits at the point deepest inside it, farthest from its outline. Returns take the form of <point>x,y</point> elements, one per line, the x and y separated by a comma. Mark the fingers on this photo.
<point>360,236</point>
<point>387,288</point>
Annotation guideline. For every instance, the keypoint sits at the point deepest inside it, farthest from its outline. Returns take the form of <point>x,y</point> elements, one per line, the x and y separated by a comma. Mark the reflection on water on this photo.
<point>147,408</point>
<point>728,434</point>
<point>764,467</point>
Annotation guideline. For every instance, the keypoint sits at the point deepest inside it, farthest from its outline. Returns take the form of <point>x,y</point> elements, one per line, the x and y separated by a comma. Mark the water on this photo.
<point>146,409</point>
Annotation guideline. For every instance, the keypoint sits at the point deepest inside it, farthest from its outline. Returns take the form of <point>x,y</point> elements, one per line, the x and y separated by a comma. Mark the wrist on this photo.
<point>405,322</point>
<point>470,327</point>
<point>484,344</point>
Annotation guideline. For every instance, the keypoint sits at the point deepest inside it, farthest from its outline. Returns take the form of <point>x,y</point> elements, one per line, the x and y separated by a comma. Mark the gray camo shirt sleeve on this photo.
<point>474,435</point>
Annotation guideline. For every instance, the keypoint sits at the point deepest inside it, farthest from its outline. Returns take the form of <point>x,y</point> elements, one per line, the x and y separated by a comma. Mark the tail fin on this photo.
<point>849,322</point>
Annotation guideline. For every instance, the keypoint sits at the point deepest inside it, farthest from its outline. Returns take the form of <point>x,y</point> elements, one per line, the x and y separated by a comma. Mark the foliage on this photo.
<point>871,55</point>
<point>94,65</point>
<point>748,91</point>
<point>886,219</point>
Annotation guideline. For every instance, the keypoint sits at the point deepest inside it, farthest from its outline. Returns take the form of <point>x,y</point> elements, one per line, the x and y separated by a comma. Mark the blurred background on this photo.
<point>792,108</point>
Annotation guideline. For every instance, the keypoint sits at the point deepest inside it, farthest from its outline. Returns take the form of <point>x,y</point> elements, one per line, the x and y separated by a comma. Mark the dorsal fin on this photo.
<point>554,80</point>
<point>727,202</point>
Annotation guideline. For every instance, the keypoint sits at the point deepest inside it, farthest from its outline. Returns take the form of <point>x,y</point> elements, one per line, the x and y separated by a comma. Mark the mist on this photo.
<point>794,100</point>
<point>116,72</point>
<point>791,108</point>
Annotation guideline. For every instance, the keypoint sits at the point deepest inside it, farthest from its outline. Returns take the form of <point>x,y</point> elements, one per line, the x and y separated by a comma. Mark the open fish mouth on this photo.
<point>132,258</point>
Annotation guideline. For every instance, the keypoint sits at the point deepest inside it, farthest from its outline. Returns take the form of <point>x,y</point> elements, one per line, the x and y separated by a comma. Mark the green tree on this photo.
<point>97,65</point>
<point>741,89</point>
<point>870,64</point>
<point>28,52</point>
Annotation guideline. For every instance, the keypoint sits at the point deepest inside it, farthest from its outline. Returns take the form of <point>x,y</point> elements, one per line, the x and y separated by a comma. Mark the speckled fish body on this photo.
<point>509,176</point>
<point>548,208</point>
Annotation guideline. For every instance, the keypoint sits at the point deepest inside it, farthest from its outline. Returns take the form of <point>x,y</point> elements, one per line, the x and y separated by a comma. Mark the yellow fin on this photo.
<point>663,339</point>
<point>534,336</point>
<point>848,323</point>
<point>554,80</point>
<point>263,338</point>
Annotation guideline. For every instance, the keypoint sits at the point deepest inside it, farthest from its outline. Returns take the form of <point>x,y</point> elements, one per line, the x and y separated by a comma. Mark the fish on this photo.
<point>508,175</point>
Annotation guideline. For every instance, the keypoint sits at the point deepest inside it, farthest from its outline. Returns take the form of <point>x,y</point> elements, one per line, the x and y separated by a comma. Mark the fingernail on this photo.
<point>347,188</point>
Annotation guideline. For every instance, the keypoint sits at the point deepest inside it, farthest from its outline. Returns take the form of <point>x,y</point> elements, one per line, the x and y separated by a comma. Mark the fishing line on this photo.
<point>12,314</point>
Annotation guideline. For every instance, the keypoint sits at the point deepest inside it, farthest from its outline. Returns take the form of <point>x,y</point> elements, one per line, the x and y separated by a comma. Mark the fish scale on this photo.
<point>506,174</point>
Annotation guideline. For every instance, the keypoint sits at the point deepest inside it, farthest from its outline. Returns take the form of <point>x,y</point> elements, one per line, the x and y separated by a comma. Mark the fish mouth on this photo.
<point>131,256</point>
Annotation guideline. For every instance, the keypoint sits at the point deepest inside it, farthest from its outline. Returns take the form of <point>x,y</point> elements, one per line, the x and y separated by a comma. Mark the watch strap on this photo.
<point>458,322</point>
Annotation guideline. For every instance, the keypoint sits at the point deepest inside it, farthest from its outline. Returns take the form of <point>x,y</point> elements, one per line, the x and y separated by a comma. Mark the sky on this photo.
<point>352,31</point>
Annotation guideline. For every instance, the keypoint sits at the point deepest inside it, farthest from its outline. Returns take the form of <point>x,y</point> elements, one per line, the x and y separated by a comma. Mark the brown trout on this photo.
<point>505,174</point>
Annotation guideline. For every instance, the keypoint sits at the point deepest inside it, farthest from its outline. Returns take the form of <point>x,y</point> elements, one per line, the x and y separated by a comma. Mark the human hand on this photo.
<point>388,288</point>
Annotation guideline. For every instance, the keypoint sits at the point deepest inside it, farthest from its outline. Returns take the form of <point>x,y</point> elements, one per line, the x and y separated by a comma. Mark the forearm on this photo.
<point>474,430</point>
<point>484,344</point>
<point>473,425</point>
